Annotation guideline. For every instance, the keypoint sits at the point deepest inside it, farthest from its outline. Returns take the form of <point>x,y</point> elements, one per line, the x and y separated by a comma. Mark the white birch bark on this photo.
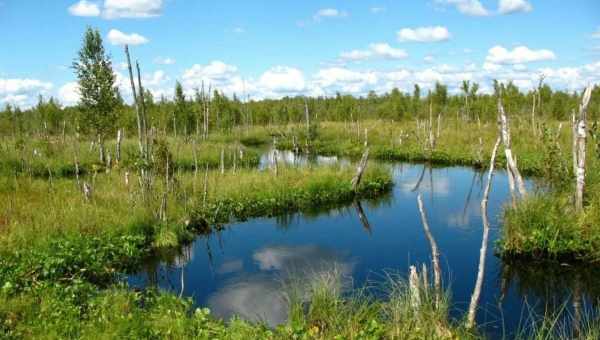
<point>435,254</point>
<point>484,241</point>
<point>581,152</point>
<point>510,159</point>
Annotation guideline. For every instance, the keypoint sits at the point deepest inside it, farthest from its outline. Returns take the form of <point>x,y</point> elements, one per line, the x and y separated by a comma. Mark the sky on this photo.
<point>275,48</point>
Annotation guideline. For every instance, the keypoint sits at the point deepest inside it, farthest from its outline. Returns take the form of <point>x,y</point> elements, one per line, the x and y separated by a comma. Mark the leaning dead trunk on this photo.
<point>581,139</point>
<point>435,254</point>
<point>510,159</point>
<point>362,165</point>
<point>484,242</point>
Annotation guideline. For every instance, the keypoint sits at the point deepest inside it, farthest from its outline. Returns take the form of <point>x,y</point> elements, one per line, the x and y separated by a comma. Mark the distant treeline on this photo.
<point>184,115</point>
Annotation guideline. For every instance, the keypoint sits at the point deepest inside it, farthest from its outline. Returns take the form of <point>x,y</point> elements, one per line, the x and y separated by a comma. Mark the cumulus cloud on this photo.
<point>282,79</point>
<point>429,59</point>
<point>519,55</point>
<point>468,7</point>
<point>379,50</point>
<point>356,55</point>
<point>68,94</point>
<point>22,92</point>
<point>514,6</point>
<point>329,13</point>
<point>384,50</point>
<point>115,9</point>
<point>84,8</point>
<point>340,79</point>
<point>117,37</point>
<point>424,34</point>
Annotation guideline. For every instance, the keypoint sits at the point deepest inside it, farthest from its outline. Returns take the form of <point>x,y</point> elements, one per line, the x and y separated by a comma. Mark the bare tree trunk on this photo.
<point>435,255</point>
<point>533,129</point>
<point>135,101</point>
<point>414,289</point>
<point>581,140</point>
<point>101,149</point>
<point>205,194</point>
<point>118,147</point>
<point>484,241</point>
<point>510,160</point>
<point>362,165</point>
<point>222,161</point>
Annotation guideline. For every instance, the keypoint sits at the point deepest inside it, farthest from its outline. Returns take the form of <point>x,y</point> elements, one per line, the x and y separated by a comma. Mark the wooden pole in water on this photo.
<point>362,165</point>
<point>581,140</point>
<point>435,254</point>
<point>484,241</point>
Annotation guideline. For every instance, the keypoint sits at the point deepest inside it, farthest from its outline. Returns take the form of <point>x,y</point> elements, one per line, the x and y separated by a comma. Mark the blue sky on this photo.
<point>276,48</point>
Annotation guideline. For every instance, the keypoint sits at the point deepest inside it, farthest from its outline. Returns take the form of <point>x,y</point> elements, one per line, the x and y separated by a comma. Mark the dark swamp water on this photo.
<point>240,270</point>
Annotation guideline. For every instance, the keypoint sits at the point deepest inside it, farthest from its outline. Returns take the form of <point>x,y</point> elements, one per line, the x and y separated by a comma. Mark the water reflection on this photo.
<point>262,296</point>
<point>291,158</point>
<point>246,269</point>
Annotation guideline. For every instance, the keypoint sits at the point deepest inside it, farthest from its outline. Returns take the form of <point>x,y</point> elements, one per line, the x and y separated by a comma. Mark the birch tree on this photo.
<point>98,92</point>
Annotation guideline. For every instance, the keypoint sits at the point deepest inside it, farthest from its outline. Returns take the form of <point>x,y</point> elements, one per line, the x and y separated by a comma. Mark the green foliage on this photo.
<point>98,92</point>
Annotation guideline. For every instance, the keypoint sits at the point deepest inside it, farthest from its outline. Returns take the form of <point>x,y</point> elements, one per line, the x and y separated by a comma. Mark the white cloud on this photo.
<point>384,50</point>
<point>424,34</point>
<point>239,30</point>
<point>519,55</point>
<point>377,10</point>
<point>282,79</point>
<point>115,9</point>
<point>468,7</point>
<point>84,8</point>
<point>340,79</point>
<point>68,94</point>
<point>329,13</point>
<point>164,61</point>
<point>356,55</point>
<point>429,59</point>
<point>380,50</point>
<point>117,37</point>
<point>22,92</point>
<point>596,35</point>
<point>514,6</point>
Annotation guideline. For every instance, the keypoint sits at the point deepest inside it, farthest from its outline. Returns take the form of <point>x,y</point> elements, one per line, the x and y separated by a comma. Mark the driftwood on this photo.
<point>484,241</point>
<point>435,254</point>
<point>362,165</point>
<point>581,130</point>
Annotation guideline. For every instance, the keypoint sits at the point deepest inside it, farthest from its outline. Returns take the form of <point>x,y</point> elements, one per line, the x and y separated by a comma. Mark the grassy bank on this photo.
<point>326,310</point>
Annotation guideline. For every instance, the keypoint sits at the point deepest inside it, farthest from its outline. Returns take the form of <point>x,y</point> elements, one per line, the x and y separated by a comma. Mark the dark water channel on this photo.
<point>239,270</point>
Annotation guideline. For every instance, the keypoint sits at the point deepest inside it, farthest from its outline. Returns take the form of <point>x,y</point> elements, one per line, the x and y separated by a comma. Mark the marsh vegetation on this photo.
<point>320,218</point>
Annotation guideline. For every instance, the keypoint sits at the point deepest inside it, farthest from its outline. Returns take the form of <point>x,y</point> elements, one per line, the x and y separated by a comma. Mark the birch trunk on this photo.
<point>435,255</point>
<point>484,241</point>
<point>118,147</point>
<point>510,159</point>
<point>581,140</point>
